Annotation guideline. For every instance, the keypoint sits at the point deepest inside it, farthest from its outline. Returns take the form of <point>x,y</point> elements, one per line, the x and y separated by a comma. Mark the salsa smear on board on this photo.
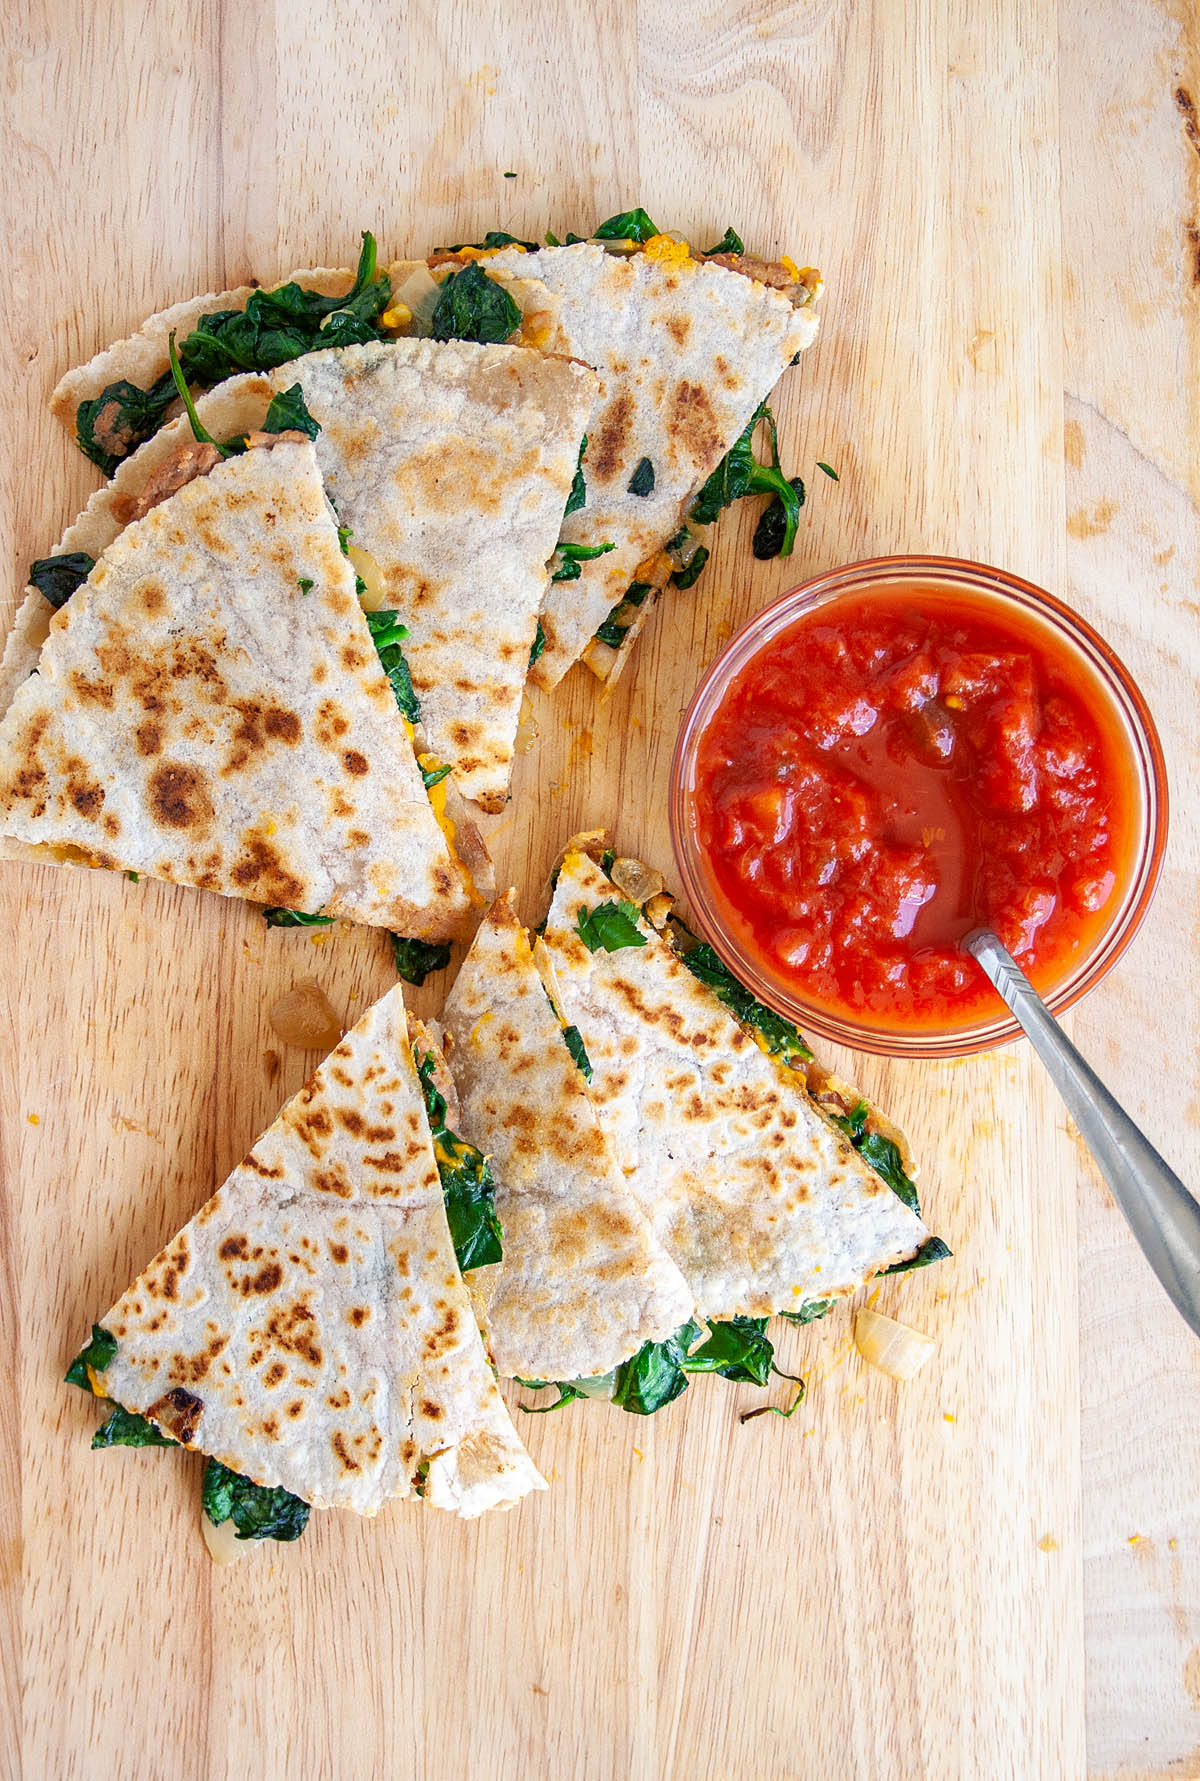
<point>895,769</point>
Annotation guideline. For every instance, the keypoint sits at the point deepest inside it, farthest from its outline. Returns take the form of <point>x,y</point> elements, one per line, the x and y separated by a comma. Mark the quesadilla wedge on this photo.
<point>687,348</point>
<point>583,1282</point>
<point>309,1330</point>
<point>754,1186</point>
<point>210,708</point>
<point>123,395</point>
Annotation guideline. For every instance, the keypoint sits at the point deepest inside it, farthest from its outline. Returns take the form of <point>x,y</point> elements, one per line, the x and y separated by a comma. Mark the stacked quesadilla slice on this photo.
<point>309,1330</point>
<point>583,1282</point>
<point>210,708</point>
<point>687,348</point>
<point>748,1180</point>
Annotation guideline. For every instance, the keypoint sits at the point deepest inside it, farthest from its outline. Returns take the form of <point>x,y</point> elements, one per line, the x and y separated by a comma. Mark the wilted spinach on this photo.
<point>125,1428</point>
<point>95,1358</point>
<point>387,634</point>
<point>573,555</point>
<point>642,480</point>
<point>415,959</point>
<point>740,474</point>
<point>688,576</point>
<point>472,306</point>
<point>288,413</point>
<point>258,1513</point>
<point>578,1051</point>
<point>612,631</point>
<point>58,577</point>
<point>539,645</point>
<point>770,534</point>
<point>277,917</point>
<point>627,225</point>
<point>730,243</point>
<point>578,495</point>
<point>111,425</point>
<point>466,1181</point>
<point>780,1037</point>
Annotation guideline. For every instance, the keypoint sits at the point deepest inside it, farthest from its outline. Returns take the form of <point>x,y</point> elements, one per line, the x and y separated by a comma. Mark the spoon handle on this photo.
<point>1163,1215</point>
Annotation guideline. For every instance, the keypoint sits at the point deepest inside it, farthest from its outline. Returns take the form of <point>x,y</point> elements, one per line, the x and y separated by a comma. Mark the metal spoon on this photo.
<point>1162,1214</point>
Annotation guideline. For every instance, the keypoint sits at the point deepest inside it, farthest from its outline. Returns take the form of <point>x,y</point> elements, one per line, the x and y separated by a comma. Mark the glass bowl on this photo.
<point>1096,665</point>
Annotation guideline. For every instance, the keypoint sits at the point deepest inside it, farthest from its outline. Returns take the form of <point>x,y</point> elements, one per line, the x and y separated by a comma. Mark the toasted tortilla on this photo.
<point>198,716</point>
<point>309,1328</point>
<point>451,464</point>
<point>143,357</point>
<point>754,1193</point>
<point>685,351</point>
<point>584,1282</point>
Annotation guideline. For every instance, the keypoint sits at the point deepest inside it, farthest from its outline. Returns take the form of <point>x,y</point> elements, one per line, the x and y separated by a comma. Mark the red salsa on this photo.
<point>896,769</point>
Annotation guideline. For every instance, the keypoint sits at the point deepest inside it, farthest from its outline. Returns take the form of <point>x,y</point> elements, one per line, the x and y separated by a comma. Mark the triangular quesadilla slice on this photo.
<point>123,395</point>
<point>210,709</point>
<point>751,1186</point>
<point>309,1329</point>
<point>687,348</point>
<point>451,464</point>
<point>583,1282</point>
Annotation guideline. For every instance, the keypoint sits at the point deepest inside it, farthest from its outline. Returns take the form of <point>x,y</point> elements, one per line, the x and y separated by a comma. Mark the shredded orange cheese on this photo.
<point>664,247</point>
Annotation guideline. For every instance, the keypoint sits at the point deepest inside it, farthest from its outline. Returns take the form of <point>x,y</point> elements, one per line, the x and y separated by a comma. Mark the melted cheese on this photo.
<point>666,248</point>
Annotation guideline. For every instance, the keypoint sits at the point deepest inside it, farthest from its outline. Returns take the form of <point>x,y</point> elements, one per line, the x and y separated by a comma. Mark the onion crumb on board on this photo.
<point>305,1017</point>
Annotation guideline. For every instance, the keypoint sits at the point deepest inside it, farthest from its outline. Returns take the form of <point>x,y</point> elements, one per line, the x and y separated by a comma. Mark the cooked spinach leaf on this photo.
<point>740,1350</point>
<point>288,413</point>
<point>305,583</point>
<point>497,238</point>
<point>627,225</point>
<point>578,495</point>
<point>277,917</point>
<point>613,630</point>
<point>655,1375</point>
<point>642,480</point>
<point>773,1409</point>
<point>472,306</point>
<point>932,1250</point>
<point>258,1513</point>
<point>740,474</point>
<point>883,1156</point>
<point>415,959</point>
<point>432,776</point>
<point>58,577</point>
<point>810,1312</point>
<point>573,555</point>
<point>829,470</point>
<point>770,533</point>
<point>120,418</point>
<point>611,926</point>
<point>388,634</point>
<point>125,1428</point>
<point>730,243</point>
<point>93,1359</point>
<point>569,1390</point>
<point>779,1036</point>
<point>686,578</point>
<point>539,644</point>
<point>232,447</point>
<point>280,325</point>
<point>466,1181</point>
<point>575,1046</point>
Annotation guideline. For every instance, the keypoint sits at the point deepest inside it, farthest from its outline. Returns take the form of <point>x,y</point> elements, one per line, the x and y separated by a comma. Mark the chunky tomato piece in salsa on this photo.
<point>894,770</point>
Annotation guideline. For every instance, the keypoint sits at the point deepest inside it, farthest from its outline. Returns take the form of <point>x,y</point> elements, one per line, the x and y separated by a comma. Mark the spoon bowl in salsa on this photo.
<point>893,755</point>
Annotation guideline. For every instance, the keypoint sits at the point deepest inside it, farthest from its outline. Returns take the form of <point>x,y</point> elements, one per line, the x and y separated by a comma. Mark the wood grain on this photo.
<point>894,1584</point>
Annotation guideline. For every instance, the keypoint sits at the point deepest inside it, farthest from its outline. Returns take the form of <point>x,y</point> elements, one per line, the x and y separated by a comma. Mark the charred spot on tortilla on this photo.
<point>178,797</point>
<point>179,1411</point>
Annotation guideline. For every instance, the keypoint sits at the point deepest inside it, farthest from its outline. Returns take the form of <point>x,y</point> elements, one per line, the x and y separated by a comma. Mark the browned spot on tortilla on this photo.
<point>253,1163</point>
<point>355,763</point>
<point>691,421</point>
<point>283,726</point>
<point>431,1410</point>
<point>234,1248</point>
<point>178,798</point>
<point>268,1280</point>
<point>261,869</point>
<point>92,692</point>
<point>339,1252</point>
<point>179,1412</point>
<point>275,1374</point>
<point>679,327</point>
<point>152,594</point>
<point>293,1329</point>
<point>333,1181</point>
<point>358,1315</point>
<point>606,450</point>
<point>352,1120</point>
<point>112,824</point>
<point>295,1408</point>
<point>338,1444</point>
<point>339,1400</point>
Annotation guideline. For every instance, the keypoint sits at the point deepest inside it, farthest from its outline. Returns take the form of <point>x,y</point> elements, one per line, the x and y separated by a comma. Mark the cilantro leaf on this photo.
<point>258,1513</point>
<point>611,926</point>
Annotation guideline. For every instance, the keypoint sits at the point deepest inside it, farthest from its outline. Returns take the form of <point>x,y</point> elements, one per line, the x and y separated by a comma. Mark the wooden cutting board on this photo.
<point>896,1583</point>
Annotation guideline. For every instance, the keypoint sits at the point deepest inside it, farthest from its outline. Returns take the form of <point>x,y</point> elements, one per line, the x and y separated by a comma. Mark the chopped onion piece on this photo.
<point>549,976</point>
<point>305,1017</point>
<point>637,882</point>
<point>419,292</point>
<point>590,841</point>
<point>658,909</point>
<point>374,597</point>
<point>222,1541</point>
<point>892,1347</point>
